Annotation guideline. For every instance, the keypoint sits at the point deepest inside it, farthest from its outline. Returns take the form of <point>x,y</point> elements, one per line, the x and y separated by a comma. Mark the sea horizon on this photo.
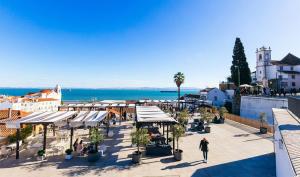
<point>92,94</point>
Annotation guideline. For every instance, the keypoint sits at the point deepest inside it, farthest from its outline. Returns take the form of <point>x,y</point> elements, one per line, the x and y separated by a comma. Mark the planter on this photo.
<point>40,158</point>
<point>68,156</point>
<point>207,129</point>
<point>136,157</point>
<point>263,130</point>
<point>93,157</point>
<point>222,120</point>
<point>178,154</point>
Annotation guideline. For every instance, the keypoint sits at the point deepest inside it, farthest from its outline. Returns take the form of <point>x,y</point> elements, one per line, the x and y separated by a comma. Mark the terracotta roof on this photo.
<point>16,114</point>
<point>289,59</point>
<point>46,91</point>
<point>46,99</point>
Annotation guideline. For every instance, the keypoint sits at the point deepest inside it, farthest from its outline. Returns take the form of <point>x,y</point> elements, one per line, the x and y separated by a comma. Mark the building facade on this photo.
<point>216,96</point>
<point>285,73</point>
<point>44,100</point>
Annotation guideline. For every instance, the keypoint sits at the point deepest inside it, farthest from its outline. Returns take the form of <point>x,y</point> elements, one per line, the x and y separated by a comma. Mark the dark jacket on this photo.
<point>204,145</point>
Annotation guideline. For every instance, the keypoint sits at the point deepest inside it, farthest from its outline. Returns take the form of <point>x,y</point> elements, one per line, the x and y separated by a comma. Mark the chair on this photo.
<point>4,152</point>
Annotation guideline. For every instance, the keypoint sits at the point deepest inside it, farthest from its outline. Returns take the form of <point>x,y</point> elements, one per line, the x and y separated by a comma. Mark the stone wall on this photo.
<point>249,122</point>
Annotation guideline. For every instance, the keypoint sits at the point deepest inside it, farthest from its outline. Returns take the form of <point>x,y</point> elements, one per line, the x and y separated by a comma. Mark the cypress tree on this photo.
<point>240,62</point>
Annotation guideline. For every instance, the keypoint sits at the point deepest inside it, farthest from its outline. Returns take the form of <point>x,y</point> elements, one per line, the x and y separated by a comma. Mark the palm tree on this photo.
<point>179,79</point>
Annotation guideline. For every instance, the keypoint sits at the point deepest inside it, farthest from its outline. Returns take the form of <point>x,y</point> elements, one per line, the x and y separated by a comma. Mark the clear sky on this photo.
<point>137,43</point>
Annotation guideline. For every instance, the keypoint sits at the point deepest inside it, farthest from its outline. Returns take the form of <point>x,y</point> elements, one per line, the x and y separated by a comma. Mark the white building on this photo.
<point>44,100</point>
<point>286,143</point>
<point>216,96</point>
<point>285,71</point>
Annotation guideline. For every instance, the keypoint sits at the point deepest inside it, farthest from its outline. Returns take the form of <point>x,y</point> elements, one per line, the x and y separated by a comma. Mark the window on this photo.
<point>293,76</point>
<point>260,57</point>
<point>281,68</point>
<point>215,98</point>
<point>292,68</point>
<point>280,77</point>
<point>293,84</point>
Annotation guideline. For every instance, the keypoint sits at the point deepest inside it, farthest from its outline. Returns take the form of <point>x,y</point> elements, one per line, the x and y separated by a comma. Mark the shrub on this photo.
<point>41,152</point>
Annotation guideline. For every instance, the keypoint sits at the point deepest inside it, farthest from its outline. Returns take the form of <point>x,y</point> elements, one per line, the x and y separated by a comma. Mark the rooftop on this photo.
<point>289,59</point>
<point>289,127</point>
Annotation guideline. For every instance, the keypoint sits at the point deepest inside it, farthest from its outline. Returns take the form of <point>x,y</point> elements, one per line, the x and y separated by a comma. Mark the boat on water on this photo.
<point>168,91</point>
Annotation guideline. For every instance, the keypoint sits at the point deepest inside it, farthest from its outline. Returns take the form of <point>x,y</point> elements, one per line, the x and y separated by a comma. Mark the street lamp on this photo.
<point>238,69</point>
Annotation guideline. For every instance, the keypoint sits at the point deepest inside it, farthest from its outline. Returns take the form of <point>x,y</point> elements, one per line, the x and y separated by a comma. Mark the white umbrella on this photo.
<point>246,85</point>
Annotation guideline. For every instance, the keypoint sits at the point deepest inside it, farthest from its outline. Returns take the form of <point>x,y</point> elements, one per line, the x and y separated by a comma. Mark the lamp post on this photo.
<point>238,69</point>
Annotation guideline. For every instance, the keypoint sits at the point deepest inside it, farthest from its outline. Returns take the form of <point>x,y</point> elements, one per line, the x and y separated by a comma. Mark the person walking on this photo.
<point>204,148</point>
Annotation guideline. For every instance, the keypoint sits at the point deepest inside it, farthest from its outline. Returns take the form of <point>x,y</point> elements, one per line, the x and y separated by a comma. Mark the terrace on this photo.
<point>234,150</point>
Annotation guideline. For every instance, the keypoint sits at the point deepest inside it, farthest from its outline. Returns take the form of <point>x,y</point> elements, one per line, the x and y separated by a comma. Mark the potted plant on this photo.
<point>207,117</point>
<point>222,112</point>
<point>95,137</point>
<point>140,137</point>
<point>68,154</point>
<point>41,155</point>
<point>263,119</point>
<point>183,118</point>
<point>177,133</point>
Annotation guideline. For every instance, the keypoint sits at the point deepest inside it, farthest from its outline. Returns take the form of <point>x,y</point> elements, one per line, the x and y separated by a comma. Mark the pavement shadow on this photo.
<point>263,165</point>
<point>289,127</point>
<point>183,165</point>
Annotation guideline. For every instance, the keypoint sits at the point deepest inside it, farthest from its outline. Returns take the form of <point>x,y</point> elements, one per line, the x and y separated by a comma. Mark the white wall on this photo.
<point>284,167</point>
<point>252,106</point>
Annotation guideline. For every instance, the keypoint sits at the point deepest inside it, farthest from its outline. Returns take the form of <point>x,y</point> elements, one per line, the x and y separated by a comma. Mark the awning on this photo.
<point>152,114</point>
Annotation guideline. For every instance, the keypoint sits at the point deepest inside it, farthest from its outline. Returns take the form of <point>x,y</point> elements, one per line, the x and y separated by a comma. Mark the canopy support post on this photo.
<point>71,137</point>
<point>163,129</point>
<point>45,136</point>
<point>17,144</point>
<point>167,134</point>
<point>173,139</point>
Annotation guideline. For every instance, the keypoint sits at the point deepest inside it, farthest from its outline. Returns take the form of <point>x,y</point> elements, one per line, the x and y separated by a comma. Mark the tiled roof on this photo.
<point>289,72</point>
<point>289,59</point>
<point>46,91</point>
<point>4,115</point>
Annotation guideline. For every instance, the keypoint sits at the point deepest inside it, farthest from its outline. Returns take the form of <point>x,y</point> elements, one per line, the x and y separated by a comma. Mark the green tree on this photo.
<point>140,137</point>
<point>240,72</point>
<point>183,117</point>
<point>96,137</point>
<point>179,79</point>
<point>178,132</point>
<point>222,111</point>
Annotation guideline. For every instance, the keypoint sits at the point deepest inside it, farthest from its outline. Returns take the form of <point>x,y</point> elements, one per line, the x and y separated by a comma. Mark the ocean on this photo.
<point>76,94</point>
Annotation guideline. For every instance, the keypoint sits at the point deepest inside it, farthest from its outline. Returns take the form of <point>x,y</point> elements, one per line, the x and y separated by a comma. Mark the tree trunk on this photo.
<point>178,98</point>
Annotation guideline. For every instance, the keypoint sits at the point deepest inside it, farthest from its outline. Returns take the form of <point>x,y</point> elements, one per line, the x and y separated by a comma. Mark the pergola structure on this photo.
<point>59,118</point>
<point>160,103</point>
<point>146,115</point>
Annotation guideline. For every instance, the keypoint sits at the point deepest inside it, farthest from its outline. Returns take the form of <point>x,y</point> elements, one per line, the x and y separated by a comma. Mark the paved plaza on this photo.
<point>233,152</point>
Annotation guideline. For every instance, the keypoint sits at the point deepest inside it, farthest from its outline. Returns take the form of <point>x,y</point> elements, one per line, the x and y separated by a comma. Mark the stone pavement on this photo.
<point>232,152</point>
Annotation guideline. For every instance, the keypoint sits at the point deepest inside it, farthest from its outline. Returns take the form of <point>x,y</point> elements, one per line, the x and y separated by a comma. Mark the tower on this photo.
<point>57,89</point>
<point>263,58</point>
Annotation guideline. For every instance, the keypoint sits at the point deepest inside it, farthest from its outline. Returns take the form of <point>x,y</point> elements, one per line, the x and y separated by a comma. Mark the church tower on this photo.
<point>57,89</point>
<point>263,58</point>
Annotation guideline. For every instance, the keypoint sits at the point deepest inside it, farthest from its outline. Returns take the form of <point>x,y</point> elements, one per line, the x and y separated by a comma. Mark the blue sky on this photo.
<point>137,43</point>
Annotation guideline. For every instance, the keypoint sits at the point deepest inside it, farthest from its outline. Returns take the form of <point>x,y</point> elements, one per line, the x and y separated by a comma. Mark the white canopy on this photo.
<point>42,118</point>
<point>91,118</point>
<point>152,114</point>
